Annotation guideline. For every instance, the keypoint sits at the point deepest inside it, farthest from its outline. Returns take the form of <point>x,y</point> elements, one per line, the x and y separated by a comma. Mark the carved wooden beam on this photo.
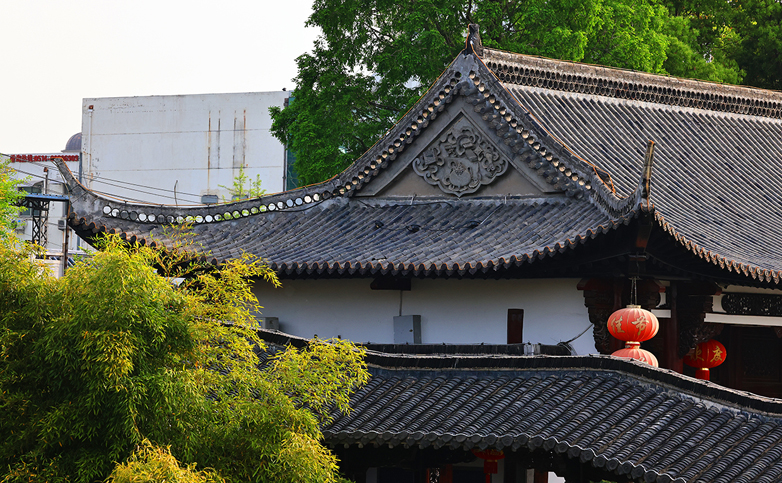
<point>694,300</point>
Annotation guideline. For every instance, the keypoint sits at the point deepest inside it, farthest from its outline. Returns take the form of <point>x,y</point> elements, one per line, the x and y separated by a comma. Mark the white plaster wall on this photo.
<point>452,311</point>
<point>196,142</point>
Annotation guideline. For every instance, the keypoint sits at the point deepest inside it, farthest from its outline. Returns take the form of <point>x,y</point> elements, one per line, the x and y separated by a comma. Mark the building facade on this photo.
<point>181,149</point>
<point>523,200</point>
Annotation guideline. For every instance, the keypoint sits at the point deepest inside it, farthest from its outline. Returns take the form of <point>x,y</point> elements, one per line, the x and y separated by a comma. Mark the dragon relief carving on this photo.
<point>461,162</point>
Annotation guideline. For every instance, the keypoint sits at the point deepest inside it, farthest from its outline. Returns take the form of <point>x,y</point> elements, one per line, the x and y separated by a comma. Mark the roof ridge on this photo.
<point>703,390</point>
<point>557,162</point>
<point>569,76</point>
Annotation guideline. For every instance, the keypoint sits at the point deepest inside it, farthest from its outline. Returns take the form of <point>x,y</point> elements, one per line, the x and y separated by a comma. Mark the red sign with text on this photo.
<point>33,158</point>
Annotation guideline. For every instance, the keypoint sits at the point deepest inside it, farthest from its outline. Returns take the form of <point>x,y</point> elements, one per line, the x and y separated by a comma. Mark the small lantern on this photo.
<point>634,325</point>
<point>633,351</point>
<point>705,356</point>
<point>490,458</point>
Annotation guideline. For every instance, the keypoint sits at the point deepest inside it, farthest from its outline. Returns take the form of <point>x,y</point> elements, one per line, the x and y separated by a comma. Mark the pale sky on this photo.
<point>54,53</point>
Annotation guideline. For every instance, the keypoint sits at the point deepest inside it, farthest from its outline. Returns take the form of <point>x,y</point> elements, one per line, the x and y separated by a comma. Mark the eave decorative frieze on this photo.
<point>752,304</point>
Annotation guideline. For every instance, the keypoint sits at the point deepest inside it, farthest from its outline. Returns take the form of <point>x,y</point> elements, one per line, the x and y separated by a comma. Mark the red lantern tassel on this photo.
<point>702,374</point>
<point>490,467</point>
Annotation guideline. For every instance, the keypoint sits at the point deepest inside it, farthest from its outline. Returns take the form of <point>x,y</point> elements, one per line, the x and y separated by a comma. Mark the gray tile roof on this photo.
<point>625,417</point>
<point>713,177</point>
<point>714,186</point>
<point>616,421</point>
<point>582,129</point>
<point>368,237</point>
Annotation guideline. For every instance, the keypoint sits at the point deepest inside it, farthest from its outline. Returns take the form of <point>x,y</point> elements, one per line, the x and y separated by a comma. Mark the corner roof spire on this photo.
<point>474,39</point>
<point>647,173</point>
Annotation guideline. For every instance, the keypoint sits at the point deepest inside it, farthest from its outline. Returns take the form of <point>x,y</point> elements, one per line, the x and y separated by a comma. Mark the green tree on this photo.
<point>759,52</point>
<point>152,464</point>
<point>114,353</point>
<point>375,58</point>
<point>686,56</point>
<point>629,34</point>
<point>243,187</point>
<point>9,195</point>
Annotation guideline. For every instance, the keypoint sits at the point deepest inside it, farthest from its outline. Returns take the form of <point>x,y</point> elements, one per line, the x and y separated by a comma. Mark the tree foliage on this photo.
<point>375,58</point>
<point>153,464</point>
<point>9,195</point>
<point>759,52</point>
<point>243,187</point>
<point>114,354</point>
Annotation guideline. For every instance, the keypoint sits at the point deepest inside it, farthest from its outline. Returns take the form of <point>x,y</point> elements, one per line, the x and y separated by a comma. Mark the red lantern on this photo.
<point>490,457</point>
<point>705,356</point>
<point>634,325</point>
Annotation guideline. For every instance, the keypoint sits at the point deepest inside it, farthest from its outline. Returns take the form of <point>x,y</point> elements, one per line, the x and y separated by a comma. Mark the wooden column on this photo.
<point>670,331</point>
<point>693,301</point>
<point>446,474</point>
<point>600,299</point>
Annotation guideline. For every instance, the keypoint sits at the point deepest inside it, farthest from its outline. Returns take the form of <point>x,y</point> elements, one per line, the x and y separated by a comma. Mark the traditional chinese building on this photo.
<point>516,203</point>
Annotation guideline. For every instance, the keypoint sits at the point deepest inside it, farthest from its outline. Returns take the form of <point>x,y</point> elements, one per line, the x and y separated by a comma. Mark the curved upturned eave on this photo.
<point>748,270</point>
<point>336,238</point>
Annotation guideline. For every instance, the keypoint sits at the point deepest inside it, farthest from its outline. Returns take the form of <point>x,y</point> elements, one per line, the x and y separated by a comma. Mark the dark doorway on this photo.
<point>515,326</point>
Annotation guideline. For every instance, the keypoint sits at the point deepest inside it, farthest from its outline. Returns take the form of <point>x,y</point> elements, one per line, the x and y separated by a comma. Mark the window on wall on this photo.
<point>291,176</point>
<point>515,326</point>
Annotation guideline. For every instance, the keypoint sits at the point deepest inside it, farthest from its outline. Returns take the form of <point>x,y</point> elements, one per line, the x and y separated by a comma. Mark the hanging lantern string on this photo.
<point>634,291</point>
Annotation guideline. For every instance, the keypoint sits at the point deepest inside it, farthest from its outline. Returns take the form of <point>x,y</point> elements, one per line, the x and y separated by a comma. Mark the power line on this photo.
<point>126,198</point>
<point>103,192</point>
<point>106,181</point>
<point>101,180</point>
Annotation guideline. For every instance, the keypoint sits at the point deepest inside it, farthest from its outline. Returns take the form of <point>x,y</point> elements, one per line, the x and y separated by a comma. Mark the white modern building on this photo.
<point>181,149</point>
<point>165,150</point>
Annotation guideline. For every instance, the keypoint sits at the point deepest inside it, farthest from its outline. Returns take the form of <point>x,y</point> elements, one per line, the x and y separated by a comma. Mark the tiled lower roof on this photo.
<point>367,237</point>
<point>640,422</point>
<point>624,417</point>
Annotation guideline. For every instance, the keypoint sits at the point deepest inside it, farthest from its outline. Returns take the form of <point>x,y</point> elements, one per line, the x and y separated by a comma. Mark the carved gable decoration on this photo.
<point>461,160</point>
